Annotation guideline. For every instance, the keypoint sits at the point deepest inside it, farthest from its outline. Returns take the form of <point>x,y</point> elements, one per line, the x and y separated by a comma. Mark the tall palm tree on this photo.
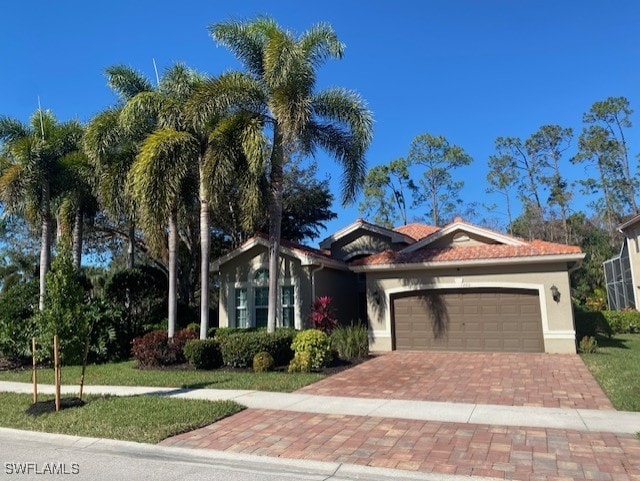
<point>278,87</point>
<point>32,162</point>
<point>220,143</point>
<point>112,150</point>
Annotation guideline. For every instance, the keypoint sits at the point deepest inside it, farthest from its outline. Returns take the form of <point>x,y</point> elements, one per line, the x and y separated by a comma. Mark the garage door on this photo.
<point>491,320</point>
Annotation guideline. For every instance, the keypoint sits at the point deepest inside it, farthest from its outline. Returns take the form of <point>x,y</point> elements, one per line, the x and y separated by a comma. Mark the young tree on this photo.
<point>438,158</point>
<point>386,189</point>
<point>278,87</point>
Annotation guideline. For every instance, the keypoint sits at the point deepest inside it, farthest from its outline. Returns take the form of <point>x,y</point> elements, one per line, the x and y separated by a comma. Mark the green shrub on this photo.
<point>590,323</point>
<point>203,353</point>
<point>621,321</point>
<point>350,342</point>
<point>316,344</point>
<point>301,362</point>
<point>194,326</point>
<point>154,349</point>
<point>262,362</point>
<point>18,303</point>
<point>240,346</point>
<point>588,345</point>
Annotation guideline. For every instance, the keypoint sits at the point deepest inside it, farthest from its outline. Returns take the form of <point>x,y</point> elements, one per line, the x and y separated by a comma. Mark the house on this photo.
<point>621,272</point>
<point>419,287</point>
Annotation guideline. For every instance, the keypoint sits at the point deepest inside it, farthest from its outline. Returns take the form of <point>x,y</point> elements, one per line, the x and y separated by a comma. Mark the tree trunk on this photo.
<point>173,272</point>
<point>508,201</point>
<point>45,246</point>
<point>275,225</point>
<point>131,248</point>
<point>77,239</point>
<point>204,257</point>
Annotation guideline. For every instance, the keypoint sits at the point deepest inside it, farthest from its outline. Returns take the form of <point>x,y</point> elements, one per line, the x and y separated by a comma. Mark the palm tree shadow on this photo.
<point>436,306</point>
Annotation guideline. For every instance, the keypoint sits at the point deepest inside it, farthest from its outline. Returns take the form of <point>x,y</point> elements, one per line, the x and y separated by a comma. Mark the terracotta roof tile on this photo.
<point>448,254</point>
<point>300,247</point>
<point>417,231</point>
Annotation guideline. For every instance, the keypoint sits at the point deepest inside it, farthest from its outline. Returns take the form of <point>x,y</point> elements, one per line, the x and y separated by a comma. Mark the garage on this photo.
<point>482,319</point>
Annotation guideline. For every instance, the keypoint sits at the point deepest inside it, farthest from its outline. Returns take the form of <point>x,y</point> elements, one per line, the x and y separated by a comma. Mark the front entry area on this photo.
<point>478,319</point>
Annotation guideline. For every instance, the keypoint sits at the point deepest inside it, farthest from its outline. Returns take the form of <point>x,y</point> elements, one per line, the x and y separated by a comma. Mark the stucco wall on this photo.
<point>557,317</point>
<point>633,244</point>
<point>342,287</point>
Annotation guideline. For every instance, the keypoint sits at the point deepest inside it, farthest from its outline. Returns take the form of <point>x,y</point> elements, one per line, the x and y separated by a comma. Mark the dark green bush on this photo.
<point>263,362</point>
<point>239,348</point>
<point>350,342</point>
<point>154,349</point>
<point>203,353</point>
<point>18,303</point>
<point>590,323</point>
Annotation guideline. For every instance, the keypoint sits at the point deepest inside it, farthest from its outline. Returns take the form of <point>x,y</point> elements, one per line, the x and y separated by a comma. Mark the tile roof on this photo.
<point>417,231</point>
<point>477,252</point>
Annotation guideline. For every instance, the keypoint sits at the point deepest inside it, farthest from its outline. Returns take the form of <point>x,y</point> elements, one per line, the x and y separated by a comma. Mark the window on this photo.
<point>288,307</point>
<point>241,308</point>
<point>252,301</point>
<point>261,305</point>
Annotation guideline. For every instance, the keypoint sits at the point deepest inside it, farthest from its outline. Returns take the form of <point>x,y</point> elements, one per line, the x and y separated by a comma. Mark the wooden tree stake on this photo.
<point>56,360</point>
<point>35,371</point>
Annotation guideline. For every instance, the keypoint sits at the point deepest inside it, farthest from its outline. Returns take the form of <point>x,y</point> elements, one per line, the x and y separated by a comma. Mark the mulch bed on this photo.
<point>44,407</point>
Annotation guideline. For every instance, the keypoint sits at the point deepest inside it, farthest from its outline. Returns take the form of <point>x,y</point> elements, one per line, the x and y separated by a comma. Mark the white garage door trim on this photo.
<point>546,333</point>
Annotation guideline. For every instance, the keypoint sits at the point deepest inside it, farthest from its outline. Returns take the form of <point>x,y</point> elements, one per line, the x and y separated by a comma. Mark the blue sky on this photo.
<point>468,70</point>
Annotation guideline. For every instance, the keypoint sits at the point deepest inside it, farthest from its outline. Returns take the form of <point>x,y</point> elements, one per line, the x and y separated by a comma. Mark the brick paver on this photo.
<point>513,379</point>
<point>504,452</point>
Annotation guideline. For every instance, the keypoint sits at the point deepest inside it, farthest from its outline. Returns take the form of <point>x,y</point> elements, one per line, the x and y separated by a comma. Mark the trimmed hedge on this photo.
<point>203,353</point>
<point>316,344</point>
<point>155,350</point>
<point>239,347</point>
<point>606,323</point>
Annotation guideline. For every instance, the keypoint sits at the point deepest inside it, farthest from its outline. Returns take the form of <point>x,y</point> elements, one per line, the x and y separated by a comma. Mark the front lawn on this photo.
<point>616,367</point>
<point>125,374</point>
<point>148,419</point>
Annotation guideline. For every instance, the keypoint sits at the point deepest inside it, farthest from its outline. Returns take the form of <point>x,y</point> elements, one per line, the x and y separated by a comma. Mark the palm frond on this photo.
<point>244,40</point>
<point>178,82</point>
<point>12,129</point>
<point>157,175</point>
<point>103,136</point>
<point>229,92</point>
<point>319,43</point>
<point>140,113</point>
<point>126,81</point>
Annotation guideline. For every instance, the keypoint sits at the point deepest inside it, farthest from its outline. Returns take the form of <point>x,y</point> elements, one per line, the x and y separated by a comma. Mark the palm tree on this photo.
<point>32,162</point>
<point>112,150</point>
<point>217,143</point>
<point>278,89</point>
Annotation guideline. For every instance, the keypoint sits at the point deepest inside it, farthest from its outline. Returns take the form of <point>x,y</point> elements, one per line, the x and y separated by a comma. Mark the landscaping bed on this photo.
<point>616,367</point>
<point>148,419</point>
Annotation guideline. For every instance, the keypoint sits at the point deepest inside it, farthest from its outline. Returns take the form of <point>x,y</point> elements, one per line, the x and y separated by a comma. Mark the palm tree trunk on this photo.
<point>204,258</point>
<point>173,272</point>
<point>131,247</point>
<point>45,246</point>
<point>77,239</point>
<point>275,226</point>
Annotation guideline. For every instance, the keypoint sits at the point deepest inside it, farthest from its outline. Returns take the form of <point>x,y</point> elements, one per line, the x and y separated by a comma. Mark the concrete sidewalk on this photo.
<point>588,420</point>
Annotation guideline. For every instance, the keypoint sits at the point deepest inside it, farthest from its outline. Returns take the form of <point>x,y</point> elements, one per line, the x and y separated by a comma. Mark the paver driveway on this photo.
<point>513,379</point>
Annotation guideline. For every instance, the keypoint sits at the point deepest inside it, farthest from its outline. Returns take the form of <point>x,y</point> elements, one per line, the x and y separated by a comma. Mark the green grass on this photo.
<point>616,367</point>
<point>148,419</point>
<point>125,374</point>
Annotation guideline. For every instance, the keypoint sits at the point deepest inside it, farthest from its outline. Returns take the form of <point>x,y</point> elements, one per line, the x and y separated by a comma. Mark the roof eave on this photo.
<point>543,259</point>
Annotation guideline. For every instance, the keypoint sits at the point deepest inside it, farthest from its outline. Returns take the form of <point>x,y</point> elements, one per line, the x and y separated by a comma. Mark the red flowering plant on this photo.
<point>322,314</point>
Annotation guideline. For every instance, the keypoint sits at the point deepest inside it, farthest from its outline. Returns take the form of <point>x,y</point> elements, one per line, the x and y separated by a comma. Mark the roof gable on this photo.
<point>456,232</point>
<point>366,227</point>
